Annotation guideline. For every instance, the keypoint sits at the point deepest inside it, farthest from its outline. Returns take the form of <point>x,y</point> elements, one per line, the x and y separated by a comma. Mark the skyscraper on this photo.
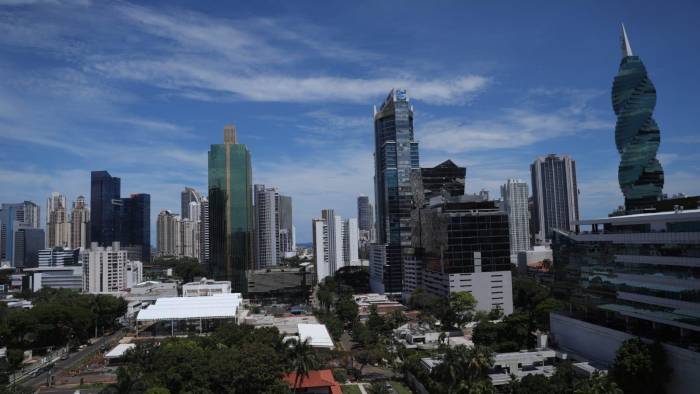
<point>167,233</point>
<point>287,243</point>
<point>335,243</point>
<point>267,227</point>
<point>204,231</point>
<point>13,217</point>
<point>445,177</point>
<point>105,207</point>
<point>28,241</point>
<point>135,228</point>
<point>364,213</point>
<point>80,224</point>
<point>395,158</point>
<point>57,223</point>
<point>514,194</point>
<point>351,242</point>
<point>555,195</point>
<point>230,211</point>
<point>186,197</point>
<point>637,135</point>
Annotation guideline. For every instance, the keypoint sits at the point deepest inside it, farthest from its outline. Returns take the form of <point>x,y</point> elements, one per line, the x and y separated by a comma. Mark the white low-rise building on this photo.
<point>108,269</point>
<point>206,287</point>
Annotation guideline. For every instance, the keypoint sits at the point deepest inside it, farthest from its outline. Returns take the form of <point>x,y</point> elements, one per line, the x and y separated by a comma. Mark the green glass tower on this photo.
<point>230,211</point>
<point>637,135</point>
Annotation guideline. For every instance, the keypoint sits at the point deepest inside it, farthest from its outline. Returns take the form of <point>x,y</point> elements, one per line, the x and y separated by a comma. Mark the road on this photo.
<point>73,358</point>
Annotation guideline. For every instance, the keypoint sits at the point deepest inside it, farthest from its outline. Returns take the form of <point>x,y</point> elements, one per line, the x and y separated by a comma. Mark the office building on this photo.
<point>204,231</point>
<point>105,208</point>
<point>57,223</point>
<point>267,227</point>
<point>351,240</point>
<point>395,158</point>
<point>287,234</point>
<point>167,233</point>
<point>58,256</point>
<point>136,225</point>
<point>108,270</point>
<point>554,194</point>
<point>189,239</point>
<point>188,196</point>
<point>444,178</point>
<point>230,211</point>
<point>327,244</point>
<point>514,195</point>
<point>80,224</point>
<point>28,242</point>
<point>55,277</point>
<point>637,135</point>
<point>12,218</point>
<point>206,287</point>
<point>461,245</point>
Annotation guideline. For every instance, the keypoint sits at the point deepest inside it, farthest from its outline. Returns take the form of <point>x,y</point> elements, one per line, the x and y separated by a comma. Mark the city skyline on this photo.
<point>475,106</point>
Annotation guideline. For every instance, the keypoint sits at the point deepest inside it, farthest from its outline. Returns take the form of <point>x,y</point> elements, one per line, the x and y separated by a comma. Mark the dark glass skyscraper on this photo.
<point>395,159</point>
<point>364,213</point>
<point>445,177</point>
<point>637,135</point>
<point>105,205</point>
<point>230,211</point>
<point>136,224</point>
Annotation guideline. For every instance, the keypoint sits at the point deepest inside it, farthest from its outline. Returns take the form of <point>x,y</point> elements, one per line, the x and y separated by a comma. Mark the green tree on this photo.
<point>346,309</point>
<point>303,360</point>
<point>188,270</point>
<point>380,388</point>
<point>527,293</point>
<point>598,384</point>
<point>543,309</point>
<point>640,367</point>
<point>375,323</point>
<point>463,304</point>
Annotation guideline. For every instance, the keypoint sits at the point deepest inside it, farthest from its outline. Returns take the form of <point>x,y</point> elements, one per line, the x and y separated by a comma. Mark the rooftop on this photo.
<point>641,218</point>
<point>219,306</point>
<point>316,379</point>
<point>317,334</point>
<point>120,350</point>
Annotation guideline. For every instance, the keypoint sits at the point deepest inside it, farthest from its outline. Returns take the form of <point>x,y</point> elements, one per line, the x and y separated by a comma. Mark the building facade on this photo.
<point>267,227</point>
<point>230,211</point>
<point>58,256</point>
<point>105,207</point>
<point>554,194</point>
<point>637,135</point>
<point>287,233</point>
<point>108,270</point>
<point>167,233</point>
<point>188,196</point>
<point>135,229</point>
<point>364,213</point>
<point>27,244</point>
<point>14,217</point>
<point>57,221</point>
<point>80,224</point>
<point>204,231</point>
<point>395,158</point>
<point>514,194</point>
<point>444,178</point>
<point>351,242</point>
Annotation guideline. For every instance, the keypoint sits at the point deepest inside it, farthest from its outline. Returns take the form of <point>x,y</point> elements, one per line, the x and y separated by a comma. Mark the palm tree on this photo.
<point>303,359</point>
<point>479,360</point>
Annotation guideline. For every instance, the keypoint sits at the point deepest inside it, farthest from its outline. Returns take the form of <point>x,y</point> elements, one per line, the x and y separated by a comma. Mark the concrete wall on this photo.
<point>599,344</point>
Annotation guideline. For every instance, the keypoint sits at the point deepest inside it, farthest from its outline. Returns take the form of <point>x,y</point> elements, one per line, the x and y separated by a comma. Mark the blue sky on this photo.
<point>141,90</point>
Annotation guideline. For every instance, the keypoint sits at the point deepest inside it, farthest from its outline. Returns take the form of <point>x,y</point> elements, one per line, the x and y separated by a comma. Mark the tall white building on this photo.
<point>204,231</point>
<point>188,245</point>
<point>107,269</point>
<point>514,194</point>
<point>168,233</point>
<point>267,226</point>
<point>80,224</point>
<point>351,242</point>
<point>188,196</point>
<point>57,223</point>
<point>554,195</point>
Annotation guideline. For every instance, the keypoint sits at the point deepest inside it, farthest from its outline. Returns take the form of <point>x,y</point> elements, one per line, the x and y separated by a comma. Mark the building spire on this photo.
<point>626,48</point>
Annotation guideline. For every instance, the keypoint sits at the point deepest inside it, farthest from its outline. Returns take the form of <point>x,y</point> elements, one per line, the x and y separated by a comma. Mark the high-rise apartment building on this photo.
<point>188,196</point>
<point>204,231</point>
<point>105,207</point>
<point>287,233</point>
<point>351,242</point>
<point>13,217</point>
<point>189,239</point>
<point>514,194</point>
<point>80,224</point>
<point>108,270</point>
<point>364,213</point>
<point>395,159</point>
<point>167,233</point>
<point>230,211</point>
<point>57,221</point>
<point>267,227</point>
<point>637,135</point>
<point>554,194</point>
<point>58,257</point>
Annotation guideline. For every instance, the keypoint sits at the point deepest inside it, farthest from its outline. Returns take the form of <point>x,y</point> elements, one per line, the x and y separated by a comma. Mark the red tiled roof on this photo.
<point>319,378</point>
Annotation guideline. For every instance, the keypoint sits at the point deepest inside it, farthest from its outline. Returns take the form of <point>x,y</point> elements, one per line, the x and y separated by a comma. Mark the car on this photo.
<point>64,357</point>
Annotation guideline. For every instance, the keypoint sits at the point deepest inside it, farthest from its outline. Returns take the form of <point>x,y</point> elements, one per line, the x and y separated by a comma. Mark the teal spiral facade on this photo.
<point>637,135</point>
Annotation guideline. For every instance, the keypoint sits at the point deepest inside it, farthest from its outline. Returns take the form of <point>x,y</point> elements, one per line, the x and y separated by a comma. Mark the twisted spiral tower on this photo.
<point>637,135</point>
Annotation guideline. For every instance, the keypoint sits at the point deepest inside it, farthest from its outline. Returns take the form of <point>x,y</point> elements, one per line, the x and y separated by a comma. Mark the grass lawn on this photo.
<point>351,389</point>
<point>400,387</point>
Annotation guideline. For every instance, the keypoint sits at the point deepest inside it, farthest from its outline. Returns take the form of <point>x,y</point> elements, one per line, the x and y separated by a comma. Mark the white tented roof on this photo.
<point>218,306</point>
<point>119,350</point>
<point>317,333</point>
